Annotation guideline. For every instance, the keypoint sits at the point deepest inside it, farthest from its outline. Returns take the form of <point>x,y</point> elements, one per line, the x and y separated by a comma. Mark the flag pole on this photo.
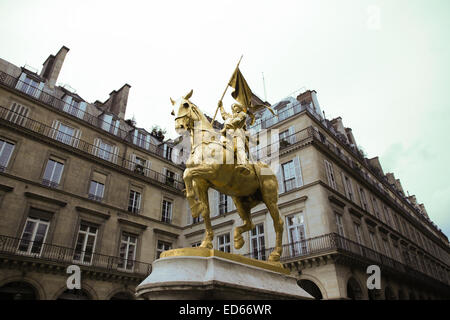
<point>226,88</point>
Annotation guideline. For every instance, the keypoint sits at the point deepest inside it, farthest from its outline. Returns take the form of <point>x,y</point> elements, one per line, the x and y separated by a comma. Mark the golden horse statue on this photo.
<point>208,166</point>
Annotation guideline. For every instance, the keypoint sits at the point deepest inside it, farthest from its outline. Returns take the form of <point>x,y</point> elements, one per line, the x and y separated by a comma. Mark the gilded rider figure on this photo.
<point>235,127</point>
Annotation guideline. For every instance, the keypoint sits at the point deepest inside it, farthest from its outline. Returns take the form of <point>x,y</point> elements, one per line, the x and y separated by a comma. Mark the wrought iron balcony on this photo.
<point>334,243</point>
<point>41,129</point>
<point>46,252</point>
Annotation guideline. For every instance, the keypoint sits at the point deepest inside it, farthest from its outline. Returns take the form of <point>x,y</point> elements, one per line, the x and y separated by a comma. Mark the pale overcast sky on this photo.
<point>383,66</point>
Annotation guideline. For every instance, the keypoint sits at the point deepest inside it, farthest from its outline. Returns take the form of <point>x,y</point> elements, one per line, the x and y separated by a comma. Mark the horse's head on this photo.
<point>186,115</point>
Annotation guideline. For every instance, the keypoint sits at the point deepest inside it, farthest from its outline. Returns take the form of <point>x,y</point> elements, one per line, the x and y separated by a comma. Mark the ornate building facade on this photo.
<point>80,185</point>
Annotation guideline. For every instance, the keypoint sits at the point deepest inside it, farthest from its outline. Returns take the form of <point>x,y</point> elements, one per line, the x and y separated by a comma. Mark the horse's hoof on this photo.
<point>239,242</point>
<point>274,257</point>
<point>206,244</point>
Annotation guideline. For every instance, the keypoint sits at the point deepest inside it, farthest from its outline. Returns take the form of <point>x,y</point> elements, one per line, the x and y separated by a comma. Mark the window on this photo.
<point>105,150</point>
<point>196,244</point>
<point>330,175</point>
<point>167,152</point>
<point>257,246</point>
<point>348,187</point>
<point>96,190</point>
<point>358,233</point>
<point>296,234</point>
<point>73,107</point>
<point>65,134</point>
<point>17,114</point>
<point>289,176</point>
<point>387,251</point>
<point>33,236</point>
<point>6,150</point>
<point>287,137</point>
<point>162,246</point>
<point>387,215</point>
<point>141,139</point>
<point>52,174</point>
<point>166,211</point>
<point>340,225</point>
<point>134,202</point>
<point>127,251</point>
<point>373,241</point>
<point>363,199</point>
<point>139,165</point>
<point>85,245</point>
<point>28,85</point>
<point>170,178</point>
<point>223,208</point>
<point>375,207</point>
<point>223,243</point>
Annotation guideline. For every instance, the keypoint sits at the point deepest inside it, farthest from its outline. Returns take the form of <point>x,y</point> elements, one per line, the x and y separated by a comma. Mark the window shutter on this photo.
<point>164,173</point>
<point>344,183</point>
<point>177,179</point>
<point>213,196</point>
<point>67,102</point>
<point>115,154</point>
<point>116,127</point>
<point>147,142</point>
<point>148,164</point>
<point>76,138</point>
<point>96,146</point>
<point>135,136</point>
<point>132,161</point>
<point>292,137</point>
<point>21,81</point>
<point>82,110</point>
<point>230,203</point>
<point>39,90</point>
<point>298,172</point>
<point>55,126</point>
<point>274,144</point>
<point>280,179</point>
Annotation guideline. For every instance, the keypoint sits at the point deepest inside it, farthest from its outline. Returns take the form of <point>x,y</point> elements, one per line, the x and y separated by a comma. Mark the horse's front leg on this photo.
<point>202,187</point>
<point>194,204</point>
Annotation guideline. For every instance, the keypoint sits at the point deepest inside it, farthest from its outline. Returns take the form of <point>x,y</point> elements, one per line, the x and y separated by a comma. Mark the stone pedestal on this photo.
<point>202,274</point>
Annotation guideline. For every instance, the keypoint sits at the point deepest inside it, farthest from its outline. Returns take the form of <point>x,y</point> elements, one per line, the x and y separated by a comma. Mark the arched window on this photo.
<point>18,291</point>
<point>354,291</point>
<point>311,288</point>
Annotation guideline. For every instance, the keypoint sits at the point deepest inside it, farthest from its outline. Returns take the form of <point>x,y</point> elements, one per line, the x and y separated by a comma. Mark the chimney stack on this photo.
<point>52,66</point>
<point>117,102</point>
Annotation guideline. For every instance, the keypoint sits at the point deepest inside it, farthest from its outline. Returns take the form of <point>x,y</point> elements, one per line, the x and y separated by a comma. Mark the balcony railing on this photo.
<point>57,103</point>
<point>49,132</point>
<point>333,242</point>
<point>67,256</point>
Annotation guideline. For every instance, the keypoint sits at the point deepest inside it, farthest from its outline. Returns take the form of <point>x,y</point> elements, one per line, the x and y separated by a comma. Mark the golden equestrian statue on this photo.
<point>216,162</point>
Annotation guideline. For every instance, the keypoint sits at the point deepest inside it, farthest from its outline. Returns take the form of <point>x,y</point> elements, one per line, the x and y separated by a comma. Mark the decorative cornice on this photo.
<point>370,222</point>
<point>219,225</point>
<point>165,233</point>
<point>6,188</point>
<point>335,200</point>
<point>133,224</point>
<point>355,212</point>
<point>44,198</point>
<point>93,212</point>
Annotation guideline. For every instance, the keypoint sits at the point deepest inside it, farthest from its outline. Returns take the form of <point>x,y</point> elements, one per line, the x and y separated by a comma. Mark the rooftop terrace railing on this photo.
<point>37,93</point>
<point>41,251</point>
<point>42,129</point>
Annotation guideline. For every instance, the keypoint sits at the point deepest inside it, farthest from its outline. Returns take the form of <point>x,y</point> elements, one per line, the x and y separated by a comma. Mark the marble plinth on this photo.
<point>202,274</point>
